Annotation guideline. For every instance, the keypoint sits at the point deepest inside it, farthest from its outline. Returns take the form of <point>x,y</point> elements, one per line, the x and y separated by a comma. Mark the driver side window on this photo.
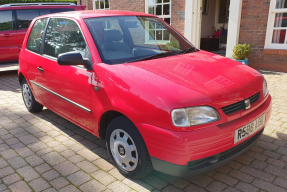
<point>63,35</point>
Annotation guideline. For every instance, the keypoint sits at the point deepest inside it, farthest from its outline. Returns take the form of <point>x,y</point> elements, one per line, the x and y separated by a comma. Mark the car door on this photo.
<point>30,59</point>
<point>8,40</point>
<point>68,88</point>
<point>23,20</point>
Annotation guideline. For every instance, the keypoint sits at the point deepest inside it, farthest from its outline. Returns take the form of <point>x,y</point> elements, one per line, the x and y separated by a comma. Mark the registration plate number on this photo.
<point>249,129</point>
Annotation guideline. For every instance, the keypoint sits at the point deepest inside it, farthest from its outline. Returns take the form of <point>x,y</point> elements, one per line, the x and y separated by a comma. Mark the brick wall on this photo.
<point>253,26</point>
<point>139,6</point>
<point>177,23</point>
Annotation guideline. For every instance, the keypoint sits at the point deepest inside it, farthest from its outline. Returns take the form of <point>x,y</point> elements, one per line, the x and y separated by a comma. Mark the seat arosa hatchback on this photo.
<point>134,81</point>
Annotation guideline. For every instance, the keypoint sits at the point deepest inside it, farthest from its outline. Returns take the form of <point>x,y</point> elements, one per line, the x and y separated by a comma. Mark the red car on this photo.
<point>131,79</point>
<point>15,20</point>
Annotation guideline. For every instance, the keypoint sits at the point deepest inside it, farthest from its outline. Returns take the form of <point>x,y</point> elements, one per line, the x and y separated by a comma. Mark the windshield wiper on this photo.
<point>190,49</point>
<point>154,56</point>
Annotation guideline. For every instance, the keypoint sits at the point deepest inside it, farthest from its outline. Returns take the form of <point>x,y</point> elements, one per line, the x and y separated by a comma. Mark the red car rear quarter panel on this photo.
<point>181,147</point>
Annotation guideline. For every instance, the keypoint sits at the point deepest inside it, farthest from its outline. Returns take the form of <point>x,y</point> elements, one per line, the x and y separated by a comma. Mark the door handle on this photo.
<point>7,35</point>
<point>40,69</point>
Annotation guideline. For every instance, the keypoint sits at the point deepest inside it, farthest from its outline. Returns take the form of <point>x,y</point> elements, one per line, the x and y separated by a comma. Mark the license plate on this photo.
<point>249,129</point>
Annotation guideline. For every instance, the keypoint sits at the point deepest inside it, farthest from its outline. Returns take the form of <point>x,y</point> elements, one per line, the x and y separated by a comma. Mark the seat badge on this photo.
<point>247,104</point>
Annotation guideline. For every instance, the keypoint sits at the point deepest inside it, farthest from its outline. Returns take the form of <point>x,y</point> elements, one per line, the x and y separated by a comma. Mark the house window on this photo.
<point>276,37</point>
<point>160,8</point>
<point>101,4</point>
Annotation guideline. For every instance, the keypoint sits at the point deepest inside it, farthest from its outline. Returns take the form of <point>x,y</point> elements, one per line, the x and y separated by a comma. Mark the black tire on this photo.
<point>144,165</point>
<point>34,105</point>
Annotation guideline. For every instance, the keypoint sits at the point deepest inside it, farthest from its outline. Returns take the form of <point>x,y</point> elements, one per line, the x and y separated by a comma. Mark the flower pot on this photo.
<point>246,61</point>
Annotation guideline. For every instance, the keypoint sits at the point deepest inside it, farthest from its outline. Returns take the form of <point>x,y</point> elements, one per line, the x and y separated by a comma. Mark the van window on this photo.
<point>45,11</point>
<point>62,36</point>
<point>35,38</point>
<point>24,17</point>
<point>6,22</point>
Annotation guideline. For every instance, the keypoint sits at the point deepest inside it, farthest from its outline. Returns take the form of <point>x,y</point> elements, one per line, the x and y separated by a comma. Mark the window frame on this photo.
<point>42,52</point>
<point>43,36</point>
<point>159,16</point>
<point>13,20</point>
<point>94,5</point>
<point>270,28</point>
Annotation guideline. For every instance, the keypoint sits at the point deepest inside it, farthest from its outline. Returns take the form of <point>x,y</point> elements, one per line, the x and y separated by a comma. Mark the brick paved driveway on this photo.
<point>44,152</point>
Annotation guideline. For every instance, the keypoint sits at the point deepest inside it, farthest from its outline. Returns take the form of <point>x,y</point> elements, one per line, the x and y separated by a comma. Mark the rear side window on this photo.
<point>35,38</point>
<point>45,11</point>
<point>24,17</point>
<point>6,21</point>
<point>62,36</point>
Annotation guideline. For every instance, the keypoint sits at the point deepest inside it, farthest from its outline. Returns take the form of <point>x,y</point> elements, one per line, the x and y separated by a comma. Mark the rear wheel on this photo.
<point>127,149</point>
<point>31,104</point>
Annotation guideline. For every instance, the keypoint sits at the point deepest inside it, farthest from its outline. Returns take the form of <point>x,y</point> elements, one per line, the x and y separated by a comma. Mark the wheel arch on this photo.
<point>20,77</point>
<point>105,119</point>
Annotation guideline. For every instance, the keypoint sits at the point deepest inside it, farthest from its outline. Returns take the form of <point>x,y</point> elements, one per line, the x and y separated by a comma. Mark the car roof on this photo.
<point>96,13</point>
<point>44,6</point>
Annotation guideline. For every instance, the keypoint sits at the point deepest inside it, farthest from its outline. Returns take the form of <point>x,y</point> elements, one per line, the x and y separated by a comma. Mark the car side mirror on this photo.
<point>71,58</point>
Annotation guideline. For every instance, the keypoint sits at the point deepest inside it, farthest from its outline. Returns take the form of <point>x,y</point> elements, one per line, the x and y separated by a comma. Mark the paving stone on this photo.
<point>246,187</point>
<point>8,180</point>
<point>66,168</point>
<point>76,159</point>
<point>79,178</point>
<point>6,171</point>
<point>103,164</point>
<point>201,180</point>
<point>12,141</point>
<point>87,166</point>
<point>20,186</point>
<point>60,148</point>
<point>138,185</point>
<point>102,152</point>
<point>28,173</point>
<point>103,177</point>
<point>27,139</point>
<point>114,172</point>
<point>50,175</point>
<point>3,163</point>
<point>34,160</point>
<point>192,187</point>
<point>50,190</point>
<point>24,152</point>
<point>95,186</point>
<point>267,186</point>
<point>17,162</point>
<point>281,182</point>
<point>68,153</point>
<point>8,154</point>
<point>257,173</point>
<point>3,187</point>
<point>171,188</point>
<point>53,158</point>
<point>216,186</point>
<point>39,184</point>
<point>43,168</point>
<point>176,181</point>
<point>37,146</point>
<point>69,188</point>
<point>59,183</point>
<point>241,176</point>
<point>119,187</point>
<point>276,171</point>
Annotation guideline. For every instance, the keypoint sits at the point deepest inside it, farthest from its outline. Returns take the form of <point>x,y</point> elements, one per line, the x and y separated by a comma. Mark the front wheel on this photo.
<point>31,104</point>
<point>127,149</point>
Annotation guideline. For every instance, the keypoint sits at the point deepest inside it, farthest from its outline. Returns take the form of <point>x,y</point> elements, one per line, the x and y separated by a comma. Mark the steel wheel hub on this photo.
<point>123,150</point>
<point>27,95</point>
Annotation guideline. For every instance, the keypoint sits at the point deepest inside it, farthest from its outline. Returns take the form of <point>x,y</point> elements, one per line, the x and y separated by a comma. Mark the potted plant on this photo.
<point>241,52</point>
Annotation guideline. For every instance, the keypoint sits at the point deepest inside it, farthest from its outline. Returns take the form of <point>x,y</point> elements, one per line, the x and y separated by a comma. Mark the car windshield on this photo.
<point>134,38</point>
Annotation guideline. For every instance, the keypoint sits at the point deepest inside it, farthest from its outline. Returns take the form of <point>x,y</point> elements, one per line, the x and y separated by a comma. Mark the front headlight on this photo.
<point>265,88</point>
<point>193,116</point>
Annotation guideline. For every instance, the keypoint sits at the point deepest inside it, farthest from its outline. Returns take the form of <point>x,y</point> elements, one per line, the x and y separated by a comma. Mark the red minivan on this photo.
<point>131,79</point>
<point>15,20</point>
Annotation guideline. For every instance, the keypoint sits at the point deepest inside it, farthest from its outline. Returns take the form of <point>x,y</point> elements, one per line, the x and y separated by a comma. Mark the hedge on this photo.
<point>35,1</point>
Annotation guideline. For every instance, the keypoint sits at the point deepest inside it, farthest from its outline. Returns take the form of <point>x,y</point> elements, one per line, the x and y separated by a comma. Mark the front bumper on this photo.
<point>206,164</point>
<point>178,149</point>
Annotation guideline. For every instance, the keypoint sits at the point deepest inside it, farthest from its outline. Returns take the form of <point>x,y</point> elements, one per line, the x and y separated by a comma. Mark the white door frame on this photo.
<point>192,29</point>
<point>192,24</point>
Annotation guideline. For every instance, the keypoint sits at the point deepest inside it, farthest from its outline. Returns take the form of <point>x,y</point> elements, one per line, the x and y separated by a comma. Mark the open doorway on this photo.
<point>214,25</point>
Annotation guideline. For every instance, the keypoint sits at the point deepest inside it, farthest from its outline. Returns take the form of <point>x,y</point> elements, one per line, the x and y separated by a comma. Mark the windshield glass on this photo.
<point>132,38</point>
